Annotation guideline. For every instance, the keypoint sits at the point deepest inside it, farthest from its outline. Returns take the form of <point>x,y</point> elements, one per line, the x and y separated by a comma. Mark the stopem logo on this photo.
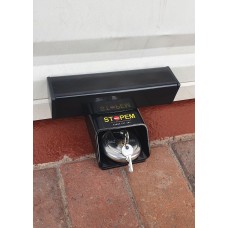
<point>119,117</point>
<point>116,118</point>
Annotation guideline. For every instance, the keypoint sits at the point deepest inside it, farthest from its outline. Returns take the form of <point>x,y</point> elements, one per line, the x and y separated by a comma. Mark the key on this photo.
<point>127,151</point>
<point>125,134</point>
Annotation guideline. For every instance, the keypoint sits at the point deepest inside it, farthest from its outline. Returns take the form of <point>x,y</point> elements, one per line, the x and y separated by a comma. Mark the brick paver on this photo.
<point>185,152</point>
<point>156,194</point>
<point>97,198</point>
<point>48,211</point>
<point>161,192</point>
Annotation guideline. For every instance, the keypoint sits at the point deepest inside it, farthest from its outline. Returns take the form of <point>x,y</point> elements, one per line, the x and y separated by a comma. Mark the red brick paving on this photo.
<point>48,210</point>
<point>98,198</point>
<point>185,152</point>
<point>69,136</point>
<point>161,192</point>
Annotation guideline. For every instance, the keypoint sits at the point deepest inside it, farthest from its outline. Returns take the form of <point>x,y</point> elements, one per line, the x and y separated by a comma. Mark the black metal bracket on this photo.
<point>111,92</point>
<point>110,102</point>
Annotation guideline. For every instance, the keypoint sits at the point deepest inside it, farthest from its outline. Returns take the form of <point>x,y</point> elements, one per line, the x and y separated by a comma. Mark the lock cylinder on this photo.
<point>114,141</point>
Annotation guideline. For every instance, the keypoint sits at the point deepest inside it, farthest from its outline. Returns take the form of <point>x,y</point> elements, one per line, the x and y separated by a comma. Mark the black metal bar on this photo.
<point>111,92</point>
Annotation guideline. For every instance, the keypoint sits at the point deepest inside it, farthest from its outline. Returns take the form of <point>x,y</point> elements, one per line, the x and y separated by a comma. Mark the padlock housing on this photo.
<point>98,125</point>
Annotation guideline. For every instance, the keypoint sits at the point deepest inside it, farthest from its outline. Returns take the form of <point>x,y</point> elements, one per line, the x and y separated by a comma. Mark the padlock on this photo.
<point>113,142</point>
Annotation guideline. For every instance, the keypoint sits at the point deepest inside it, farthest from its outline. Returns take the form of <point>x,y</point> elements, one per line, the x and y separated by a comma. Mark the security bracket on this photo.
<point>111,101</point>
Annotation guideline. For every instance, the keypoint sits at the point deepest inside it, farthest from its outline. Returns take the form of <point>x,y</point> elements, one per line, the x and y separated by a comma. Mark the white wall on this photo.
<point>60,20</point>
<point>91,36</point>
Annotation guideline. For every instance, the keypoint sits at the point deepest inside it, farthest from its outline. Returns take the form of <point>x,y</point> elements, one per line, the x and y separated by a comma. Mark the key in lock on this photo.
<point>121,146</point>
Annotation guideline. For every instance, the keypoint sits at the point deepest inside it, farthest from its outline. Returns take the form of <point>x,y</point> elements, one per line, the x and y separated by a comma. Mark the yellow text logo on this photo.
<point>119,118</point>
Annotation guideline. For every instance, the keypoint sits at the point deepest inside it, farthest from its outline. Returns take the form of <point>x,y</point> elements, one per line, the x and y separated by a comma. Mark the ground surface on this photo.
<point>159,193</point>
